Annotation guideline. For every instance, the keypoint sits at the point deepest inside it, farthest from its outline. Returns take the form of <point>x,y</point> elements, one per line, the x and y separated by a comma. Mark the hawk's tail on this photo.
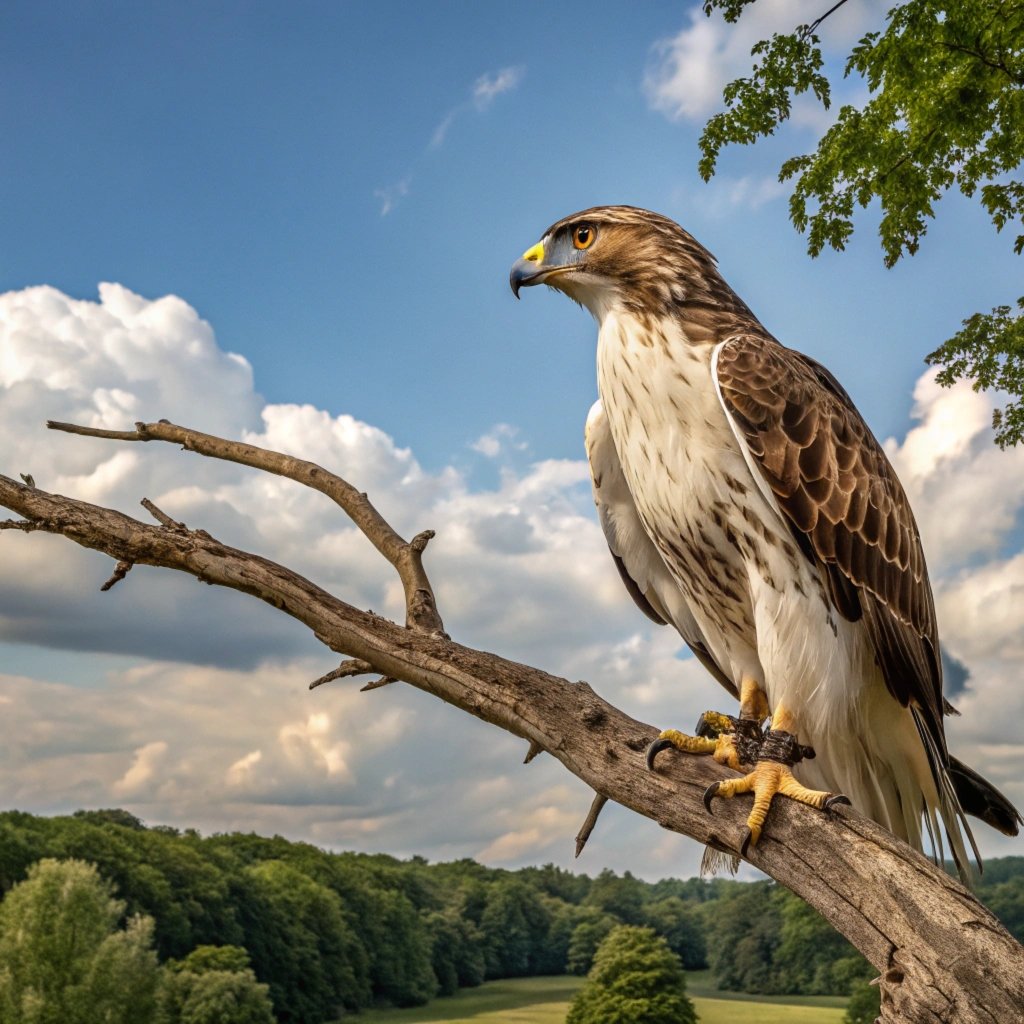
<point>979,797</point>
<point>962,791</point>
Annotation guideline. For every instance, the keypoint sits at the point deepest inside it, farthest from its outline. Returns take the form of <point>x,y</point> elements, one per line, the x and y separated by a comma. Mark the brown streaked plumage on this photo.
<point>776,536</point>
<point>847,506</point>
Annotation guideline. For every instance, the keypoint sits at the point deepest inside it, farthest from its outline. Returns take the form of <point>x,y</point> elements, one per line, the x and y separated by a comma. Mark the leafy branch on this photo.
<point>945,111</point>
<point>990,351</point>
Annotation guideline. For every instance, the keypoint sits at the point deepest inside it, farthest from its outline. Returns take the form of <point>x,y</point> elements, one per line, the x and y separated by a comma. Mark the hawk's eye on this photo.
<point>583,236</point>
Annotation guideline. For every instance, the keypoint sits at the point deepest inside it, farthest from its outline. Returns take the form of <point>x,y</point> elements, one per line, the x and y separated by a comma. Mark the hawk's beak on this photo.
<point>528,269</point>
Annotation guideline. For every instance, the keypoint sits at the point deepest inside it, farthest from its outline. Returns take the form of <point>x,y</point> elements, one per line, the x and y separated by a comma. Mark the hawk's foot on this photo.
<point>731,741</point>
<point>721,746</point>
<point>772,774</point>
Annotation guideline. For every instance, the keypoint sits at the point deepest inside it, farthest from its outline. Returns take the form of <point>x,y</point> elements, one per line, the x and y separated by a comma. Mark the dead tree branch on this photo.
<point>942,956</point>
<point>345,670</point>
<point>407,558</point>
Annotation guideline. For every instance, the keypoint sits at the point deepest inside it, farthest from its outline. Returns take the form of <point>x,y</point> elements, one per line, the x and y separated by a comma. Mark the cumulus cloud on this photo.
<point>482,94</point>
<point>967,493</point>
<point>214,726</point>
<point>968,496</point>
<point>689,70</point>
<point>208,721</point>
<point>499,439</point>
<point>143,771</point>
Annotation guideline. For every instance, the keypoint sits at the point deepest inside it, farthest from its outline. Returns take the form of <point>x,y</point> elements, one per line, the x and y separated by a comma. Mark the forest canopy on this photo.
<point>324,932</point>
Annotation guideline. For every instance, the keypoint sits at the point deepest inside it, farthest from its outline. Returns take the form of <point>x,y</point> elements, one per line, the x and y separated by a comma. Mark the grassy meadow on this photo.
<point>546,1000</point>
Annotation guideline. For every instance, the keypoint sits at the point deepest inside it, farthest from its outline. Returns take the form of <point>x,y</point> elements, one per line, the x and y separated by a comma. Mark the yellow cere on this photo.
<point>535,254</point>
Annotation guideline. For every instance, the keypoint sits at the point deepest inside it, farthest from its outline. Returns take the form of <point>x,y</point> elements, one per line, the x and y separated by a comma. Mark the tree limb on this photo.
<point>942,956</point>
<point>421,608</point>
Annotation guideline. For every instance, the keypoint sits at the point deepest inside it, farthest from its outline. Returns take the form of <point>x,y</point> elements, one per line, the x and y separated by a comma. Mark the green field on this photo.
<point>545,1001</point>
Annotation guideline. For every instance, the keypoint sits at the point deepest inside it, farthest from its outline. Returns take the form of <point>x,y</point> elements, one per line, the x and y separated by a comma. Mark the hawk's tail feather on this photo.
<point>931,824</point>
<point>715,861</point>
<point>954,820</point>
<point>979,797</point>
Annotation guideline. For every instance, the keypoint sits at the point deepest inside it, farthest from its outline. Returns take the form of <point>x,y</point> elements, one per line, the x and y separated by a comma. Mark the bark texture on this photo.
<point>942,957</point>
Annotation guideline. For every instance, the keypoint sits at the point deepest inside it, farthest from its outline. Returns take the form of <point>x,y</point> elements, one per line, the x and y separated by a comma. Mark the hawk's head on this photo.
<point>622,257</point>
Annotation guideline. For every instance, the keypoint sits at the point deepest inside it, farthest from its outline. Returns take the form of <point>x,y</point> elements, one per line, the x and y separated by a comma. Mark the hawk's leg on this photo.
<point>731,741</point>
<point>773,774</point>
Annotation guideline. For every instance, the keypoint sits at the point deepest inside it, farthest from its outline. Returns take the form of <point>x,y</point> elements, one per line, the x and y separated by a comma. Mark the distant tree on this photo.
<point>812,958</point>
<point>681,925</point>
<point>744,930</point>
<point>943,111</point>
<point>112,816</point>
<point>515,925</point>
<point>587,936</point>
<point>64,959</point>
<point>472,899</point>
<point>558,882</point>
<point>865,1004</point>
<point>399,948</point>
<point>213,985</point>
<point>620,896</point>
<point>301,944</point>
<point>19,847</point>
<point>381,900</point>
<point>636,979</point>
<point>457,953</point>
<point>204,959</point>
<point>162,876</point>
<point>1006,901</point>
<point>564,919</point>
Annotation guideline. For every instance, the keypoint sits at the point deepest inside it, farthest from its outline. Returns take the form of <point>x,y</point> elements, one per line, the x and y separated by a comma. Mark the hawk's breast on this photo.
<point>721,539</point>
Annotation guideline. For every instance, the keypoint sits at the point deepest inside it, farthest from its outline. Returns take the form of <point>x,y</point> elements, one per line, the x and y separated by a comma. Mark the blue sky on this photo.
<point>230,154</point>
<point>339,190</point>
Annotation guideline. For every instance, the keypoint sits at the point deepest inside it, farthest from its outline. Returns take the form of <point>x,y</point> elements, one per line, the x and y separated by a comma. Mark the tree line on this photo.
<point>333,933</point>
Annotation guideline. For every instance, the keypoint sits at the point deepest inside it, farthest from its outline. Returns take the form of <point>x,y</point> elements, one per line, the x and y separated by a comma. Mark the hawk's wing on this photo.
<point>641,567</point>
<point>805,439</point>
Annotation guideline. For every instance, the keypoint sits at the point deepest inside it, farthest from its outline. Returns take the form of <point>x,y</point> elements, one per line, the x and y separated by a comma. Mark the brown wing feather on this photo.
<point>846,506</point>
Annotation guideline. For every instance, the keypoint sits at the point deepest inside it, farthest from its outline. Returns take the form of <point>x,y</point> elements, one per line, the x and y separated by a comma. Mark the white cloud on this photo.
<point>500,438</point>
<point>143,771</point>
<point>530,831</point>
<point>487,88</point>
<point>689,70</point>
<point>967,494</point>
<point>520,568</point>
<point>391,195</point>
<point>210,722</point>
<point>441,131</point>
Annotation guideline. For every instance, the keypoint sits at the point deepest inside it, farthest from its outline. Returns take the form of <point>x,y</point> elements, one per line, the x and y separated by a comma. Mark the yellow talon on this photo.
<point>767,779</point>
<point>721,747</point>
<point>689,744</point>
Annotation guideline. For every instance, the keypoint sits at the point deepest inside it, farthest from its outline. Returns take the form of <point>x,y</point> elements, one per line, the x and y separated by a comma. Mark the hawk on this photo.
<point>746,502</point>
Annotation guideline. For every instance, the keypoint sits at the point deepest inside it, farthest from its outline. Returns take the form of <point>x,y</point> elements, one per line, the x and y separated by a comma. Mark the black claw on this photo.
<point>655,749</point>
<point>836,801</point>
<point>704,729</point>
<point>745,845</point>
<point>709,795</point>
